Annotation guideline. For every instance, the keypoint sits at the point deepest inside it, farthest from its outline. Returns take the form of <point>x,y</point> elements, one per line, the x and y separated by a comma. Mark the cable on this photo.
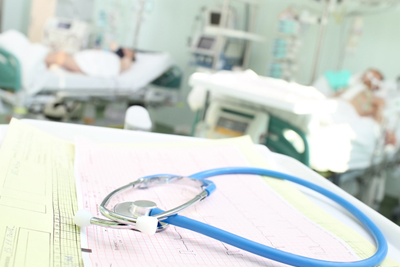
<point>272,253</point>
<point>343,40</point>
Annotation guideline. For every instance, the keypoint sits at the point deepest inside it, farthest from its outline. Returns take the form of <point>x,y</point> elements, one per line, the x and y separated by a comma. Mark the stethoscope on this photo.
<point>144,216</point>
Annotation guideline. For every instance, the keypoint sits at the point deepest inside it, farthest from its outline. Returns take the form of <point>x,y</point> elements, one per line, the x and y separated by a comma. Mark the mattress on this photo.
<point>345,141</point>
<point>146,68</point>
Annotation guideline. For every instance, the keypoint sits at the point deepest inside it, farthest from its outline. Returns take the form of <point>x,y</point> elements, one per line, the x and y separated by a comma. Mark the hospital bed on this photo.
<point>24,80</point>
<point>289,106</point>
<point>333,139</point>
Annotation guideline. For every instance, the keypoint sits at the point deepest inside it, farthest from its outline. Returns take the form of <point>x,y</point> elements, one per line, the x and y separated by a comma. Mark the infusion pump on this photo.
<point>224,120</point>
<point>68,35</point>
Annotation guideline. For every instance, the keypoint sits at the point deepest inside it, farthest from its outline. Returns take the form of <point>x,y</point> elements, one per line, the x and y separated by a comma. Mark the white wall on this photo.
<point>379,45</point>
<point>75,9</point>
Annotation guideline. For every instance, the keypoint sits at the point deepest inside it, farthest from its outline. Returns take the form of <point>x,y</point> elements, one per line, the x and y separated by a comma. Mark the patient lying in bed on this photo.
<point>97,63</point>
<point>33,56</point>
<point>351,136</point>
<point>362,95</point>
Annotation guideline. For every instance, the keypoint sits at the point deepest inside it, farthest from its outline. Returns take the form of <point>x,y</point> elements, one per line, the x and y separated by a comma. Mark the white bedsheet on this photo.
<point>146,68</point>
<point>338,141</point>
<point>344,140</point>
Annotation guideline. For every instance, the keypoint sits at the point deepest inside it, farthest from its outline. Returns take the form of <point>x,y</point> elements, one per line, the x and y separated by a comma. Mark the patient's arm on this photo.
<point>390,138</point>
<point>127,59</point>
<point>378,105</point>
<point>367,105</point>
<point>125,63</point>
<point>64,60</point>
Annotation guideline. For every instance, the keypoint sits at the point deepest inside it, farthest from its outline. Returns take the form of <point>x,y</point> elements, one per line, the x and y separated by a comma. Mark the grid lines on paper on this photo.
<point>244,205</point>
<point>66,239</point>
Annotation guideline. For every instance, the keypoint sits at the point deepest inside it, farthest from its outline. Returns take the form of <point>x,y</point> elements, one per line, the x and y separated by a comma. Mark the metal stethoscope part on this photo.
<point>126,215</point>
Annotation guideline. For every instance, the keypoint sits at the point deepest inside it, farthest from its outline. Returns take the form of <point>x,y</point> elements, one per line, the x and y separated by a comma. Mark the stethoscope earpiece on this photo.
<point>147,224</point>
<point>82,218</point>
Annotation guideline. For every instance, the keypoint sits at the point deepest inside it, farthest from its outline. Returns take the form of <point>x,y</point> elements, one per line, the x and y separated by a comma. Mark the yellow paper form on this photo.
<point>37,200</point>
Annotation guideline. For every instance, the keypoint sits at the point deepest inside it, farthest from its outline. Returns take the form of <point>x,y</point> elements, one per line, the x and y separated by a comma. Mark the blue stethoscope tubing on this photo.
<point>272,253</point>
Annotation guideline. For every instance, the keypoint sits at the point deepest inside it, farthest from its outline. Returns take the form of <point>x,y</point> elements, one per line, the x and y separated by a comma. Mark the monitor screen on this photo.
<point>206,43</point>
<point>64,25</point>
<point>215,18</point>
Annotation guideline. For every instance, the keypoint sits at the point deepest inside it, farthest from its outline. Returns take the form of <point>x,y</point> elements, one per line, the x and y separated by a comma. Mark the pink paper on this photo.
<point>242,204</point>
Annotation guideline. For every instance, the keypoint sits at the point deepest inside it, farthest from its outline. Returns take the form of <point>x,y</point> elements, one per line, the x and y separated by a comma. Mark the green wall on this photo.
<point>379,45</point>
<point>168,25</point>
<point>15,15</point>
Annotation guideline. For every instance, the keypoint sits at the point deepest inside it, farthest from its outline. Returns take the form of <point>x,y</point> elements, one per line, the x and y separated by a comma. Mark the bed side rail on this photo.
<point>277,142</point>
<point>10,71</point>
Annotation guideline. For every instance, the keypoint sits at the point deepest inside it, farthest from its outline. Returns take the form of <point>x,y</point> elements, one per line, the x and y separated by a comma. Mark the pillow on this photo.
<point>15,43</point>
<point>30,56</point>
<point>338,79</point>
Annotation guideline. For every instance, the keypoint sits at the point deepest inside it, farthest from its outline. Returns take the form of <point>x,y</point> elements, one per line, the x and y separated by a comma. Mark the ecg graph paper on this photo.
<point>242,204</point>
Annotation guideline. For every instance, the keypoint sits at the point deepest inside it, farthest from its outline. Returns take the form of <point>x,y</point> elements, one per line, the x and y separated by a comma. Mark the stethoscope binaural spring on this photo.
<point>144,216</point>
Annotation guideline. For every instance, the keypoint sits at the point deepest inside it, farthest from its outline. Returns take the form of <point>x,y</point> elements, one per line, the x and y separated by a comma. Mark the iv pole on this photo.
<point>321,35</point>
<point>138,23</point>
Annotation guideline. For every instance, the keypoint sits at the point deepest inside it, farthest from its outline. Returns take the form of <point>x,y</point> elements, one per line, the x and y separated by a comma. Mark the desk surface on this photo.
<point>291,166</point>
<point>264,91</point>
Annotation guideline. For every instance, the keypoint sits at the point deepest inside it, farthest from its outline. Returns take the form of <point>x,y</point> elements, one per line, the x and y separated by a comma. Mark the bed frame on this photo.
<point>10,71</point>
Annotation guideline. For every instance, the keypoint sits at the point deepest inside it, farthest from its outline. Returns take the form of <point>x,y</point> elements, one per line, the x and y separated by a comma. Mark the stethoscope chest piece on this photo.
<point>138,209</point>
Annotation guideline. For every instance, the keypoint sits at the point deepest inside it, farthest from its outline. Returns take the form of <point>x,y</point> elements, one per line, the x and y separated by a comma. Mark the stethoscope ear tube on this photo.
<point>274,254</point>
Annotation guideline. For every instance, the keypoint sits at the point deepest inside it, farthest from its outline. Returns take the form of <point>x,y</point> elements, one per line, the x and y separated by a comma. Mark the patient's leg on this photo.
<point>64,60</point>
